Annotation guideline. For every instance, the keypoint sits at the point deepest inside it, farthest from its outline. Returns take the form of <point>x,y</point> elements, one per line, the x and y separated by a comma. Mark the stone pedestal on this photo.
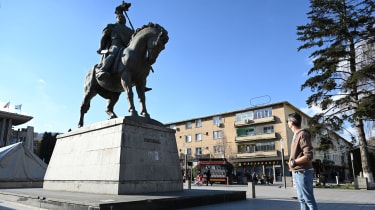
<point>129,155</point>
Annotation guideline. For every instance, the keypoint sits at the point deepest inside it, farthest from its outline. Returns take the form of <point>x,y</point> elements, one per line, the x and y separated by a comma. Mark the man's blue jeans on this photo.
<point>304,185</point>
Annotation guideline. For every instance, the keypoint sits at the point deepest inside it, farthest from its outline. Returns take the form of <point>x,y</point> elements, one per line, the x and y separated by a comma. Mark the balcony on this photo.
<point>257,154</point>
<point>264,136</point>
<point>254,121</point>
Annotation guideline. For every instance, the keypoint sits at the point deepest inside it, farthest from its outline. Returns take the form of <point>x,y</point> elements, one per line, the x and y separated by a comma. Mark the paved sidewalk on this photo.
<point>269,197</point>
<point>64,200</point>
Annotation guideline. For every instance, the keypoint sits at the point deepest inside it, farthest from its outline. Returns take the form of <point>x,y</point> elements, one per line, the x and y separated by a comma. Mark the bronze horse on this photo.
<point>133,66</point>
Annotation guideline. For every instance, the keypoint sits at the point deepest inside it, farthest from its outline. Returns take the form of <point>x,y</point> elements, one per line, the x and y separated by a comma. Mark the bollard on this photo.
<point>253,188</point>
<point>251,192</point>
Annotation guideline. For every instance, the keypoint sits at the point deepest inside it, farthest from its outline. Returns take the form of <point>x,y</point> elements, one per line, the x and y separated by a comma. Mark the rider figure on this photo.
<point>115,36</point>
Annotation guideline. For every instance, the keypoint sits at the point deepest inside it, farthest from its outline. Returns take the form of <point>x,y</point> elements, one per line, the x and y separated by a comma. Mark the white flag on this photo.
<point>18,106</point>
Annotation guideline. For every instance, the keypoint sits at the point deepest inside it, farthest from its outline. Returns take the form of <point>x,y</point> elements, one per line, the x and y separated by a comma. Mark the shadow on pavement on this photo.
<point>273,204</point>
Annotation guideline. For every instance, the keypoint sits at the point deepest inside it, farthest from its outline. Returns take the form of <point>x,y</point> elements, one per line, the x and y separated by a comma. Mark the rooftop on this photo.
<point>17,119</point>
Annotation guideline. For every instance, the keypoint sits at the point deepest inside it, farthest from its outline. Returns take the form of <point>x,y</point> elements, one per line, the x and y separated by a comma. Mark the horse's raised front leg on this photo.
<point>126,82</point>
<point>142,99</point>
<point>111,103</point>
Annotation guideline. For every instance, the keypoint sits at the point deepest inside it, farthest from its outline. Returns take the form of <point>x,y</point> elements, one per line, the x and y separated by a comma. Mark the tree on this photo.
<point>46,146</point>
<point>342,77</point>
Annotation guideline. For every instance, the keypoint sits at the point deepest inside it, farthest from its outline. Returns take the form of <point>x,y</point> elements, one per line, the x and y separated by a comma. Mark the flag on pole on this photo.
<point>7,105</point>
<point>18,106</point>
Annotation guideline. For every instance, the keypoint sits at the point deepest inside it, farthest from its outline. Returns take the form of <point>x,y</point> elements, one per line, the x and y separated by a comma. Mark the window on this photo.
<point>265,146</point>
<point>304,120</point>
<point>250,132</point>
<point>246,148</point>
<point>245,116</point>
<point>188,138</point>
<point>218,149</point>
<point>250,148</point>
<point>188,151</point>
<point>258,147</point>
<point>198,123</point>
<point>263,113</point>
<point>268,129</point>
<point>218,134</point>
<point>216,120</point>
<point>188,125</point>
<point>198,137</point>
<point>329,157</point>
<point>246,131</point>
<point>198,151</point>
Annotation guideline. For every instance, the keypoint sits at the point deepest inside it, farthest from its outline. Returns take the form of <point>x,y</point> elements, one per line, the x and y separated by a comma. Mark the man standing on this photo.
<point>208,176</point>
<point>300,162</point>
<point>254,177</point>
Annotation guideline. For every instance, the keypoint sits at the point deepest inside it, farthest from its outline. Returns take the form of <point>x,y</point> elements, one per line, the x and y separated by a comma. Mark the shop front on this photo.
<point>265,168</point>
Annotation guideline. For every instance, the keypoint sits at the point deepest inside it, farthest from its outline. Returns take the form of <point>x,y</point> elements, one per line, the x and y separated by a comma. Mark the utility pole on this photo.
<point>282,160</point>
<point>351,157</point>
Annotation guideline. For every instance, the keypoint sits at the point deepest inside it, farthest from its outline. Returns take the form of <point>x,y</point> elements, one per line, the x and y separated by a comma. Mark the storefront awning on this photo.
<point>259,161</point>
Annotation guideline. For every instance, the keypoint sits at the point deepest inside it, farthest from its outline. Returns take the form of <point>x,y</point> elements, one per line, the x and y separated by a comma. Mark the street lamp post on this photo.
<point>282,160</point>
<point>351,157</point>
<point>187,177</point>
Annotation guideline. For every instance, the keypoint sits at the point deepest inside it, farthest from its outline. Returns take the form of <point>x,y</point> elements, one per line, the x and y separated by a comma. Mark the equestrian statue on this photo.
<point>127,56</point>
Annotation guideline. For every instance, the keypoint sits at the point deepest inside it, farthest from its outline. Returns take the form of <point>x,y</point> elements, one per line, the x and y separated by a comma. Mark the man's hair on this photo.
<point>296,119</point>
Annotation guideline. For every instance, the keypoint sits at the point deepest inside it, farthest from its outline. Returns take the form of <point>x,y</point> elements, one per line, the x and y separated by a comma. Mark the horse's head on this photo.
<point>156,44</point>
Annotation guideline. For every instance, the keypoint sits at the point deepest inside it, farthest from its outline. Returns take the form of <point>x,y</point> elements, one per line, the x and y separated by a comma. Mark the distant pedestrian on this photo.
<point>300,162</point>
<point>208,176</point>
<point>199,180</point>
<point>254,178</point>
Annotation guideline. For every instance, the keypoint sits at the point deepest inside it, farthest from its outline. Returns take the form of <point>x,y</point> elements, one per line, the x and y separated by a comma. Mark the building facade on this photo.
<point>253,139</point>
<point>335,158</point>
<point>10,136</point>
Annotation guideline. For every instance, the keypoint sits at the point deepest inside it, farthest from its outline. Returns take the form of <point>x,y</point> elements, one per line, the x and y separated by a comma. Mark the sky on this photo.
<point>221,56</point>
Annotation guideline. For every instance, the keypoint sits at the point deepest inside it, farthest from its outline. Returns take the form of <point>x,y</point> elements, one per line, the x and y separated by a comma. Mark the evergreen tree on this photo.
<point>342,36</point>
<point>46,146</point>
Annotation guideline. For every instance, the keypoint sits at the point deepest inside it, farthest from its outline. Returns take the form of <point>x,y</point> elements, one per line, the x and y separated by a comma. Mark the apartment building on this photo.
<point>252,139</point>
<point>336,158</point>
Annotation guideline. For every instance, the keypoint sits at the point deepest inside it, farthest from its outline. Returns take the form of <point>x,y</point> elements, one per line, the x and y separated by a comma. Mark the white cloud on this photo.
<point>311,111</point>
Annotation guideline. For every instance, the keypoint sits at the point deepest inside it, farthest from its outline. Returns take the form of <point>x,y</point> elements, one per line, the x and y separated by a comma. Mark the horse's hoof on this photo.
<point>134,113</point>
<point>146,115</point>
